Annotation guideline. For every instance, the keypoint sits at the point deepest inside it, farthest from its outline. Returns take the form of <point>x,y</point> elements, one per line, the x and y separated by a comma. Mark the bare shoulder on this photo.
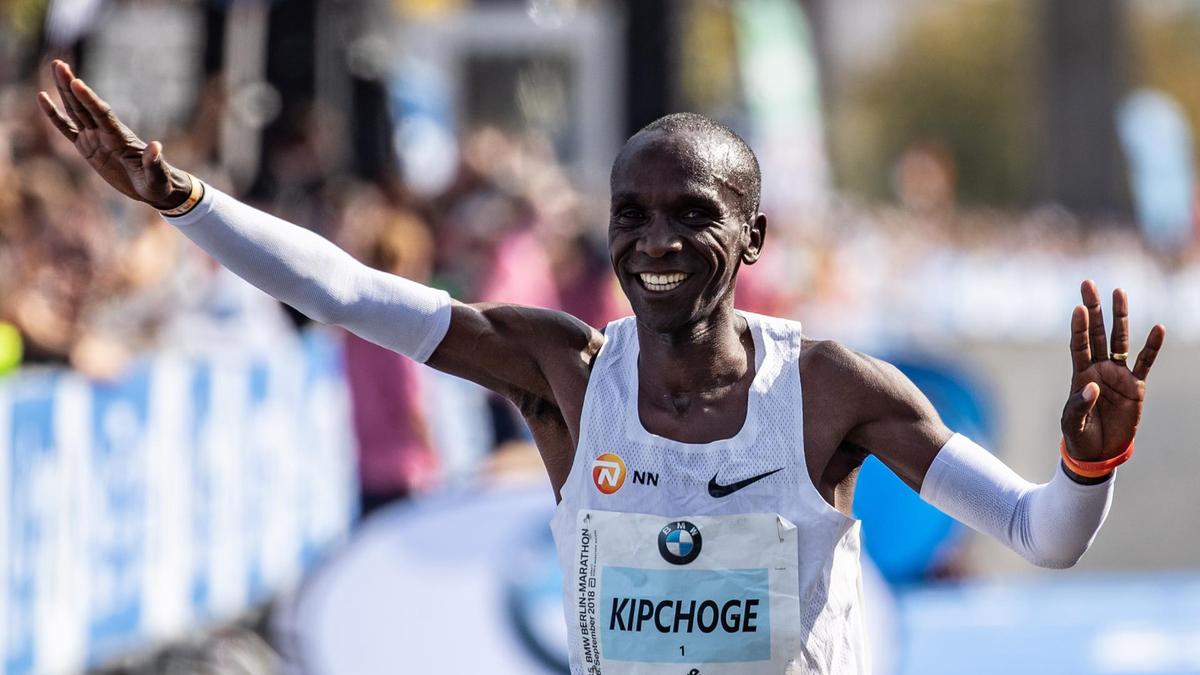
<point>516,350</point>
<point>561,339</point>
<point>539,359</point>
<point>866,405</point>
<point>868,384</point>
<point>840,364</point>
<point>533,326</point>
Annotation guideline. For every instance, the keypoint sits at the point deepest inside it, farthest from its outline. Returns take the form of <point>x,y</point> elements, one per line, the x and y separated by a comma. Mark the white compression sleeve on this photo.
<point>1050,525</point>
<point>316,277</point>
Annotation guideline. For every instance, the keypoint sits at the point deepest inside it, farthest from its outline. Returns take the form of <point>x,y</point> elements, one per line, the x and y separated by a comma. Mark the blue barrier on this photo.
<point>193,488</point>
<point>904,535</point>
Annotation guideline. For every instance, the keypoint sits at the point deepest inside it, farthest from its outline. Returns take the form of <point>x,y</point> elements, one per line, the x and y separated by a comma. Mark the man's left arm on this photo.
<point>1050,524</point>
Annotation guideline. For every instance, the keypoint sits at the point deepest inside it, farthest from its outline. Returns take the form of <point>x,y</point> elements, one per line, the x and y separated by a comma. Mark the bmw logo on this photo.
<point>679,542</point>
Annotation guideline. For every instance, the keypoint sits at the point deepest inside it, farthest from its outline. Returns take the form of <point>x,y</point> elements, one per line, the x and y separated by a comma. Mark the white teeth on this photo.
<point>662,282</point>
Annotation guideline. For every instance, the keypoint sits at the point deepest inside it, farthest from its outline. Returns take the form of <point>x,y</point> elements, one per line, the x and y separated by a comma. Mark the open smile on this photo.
<point>662,282</point>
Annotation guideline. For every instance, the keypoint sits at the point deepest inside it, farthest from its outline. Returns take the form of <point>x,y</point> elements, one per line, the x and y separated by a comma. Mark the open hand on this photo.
<point>1105,405</point>
<point>127,163</point>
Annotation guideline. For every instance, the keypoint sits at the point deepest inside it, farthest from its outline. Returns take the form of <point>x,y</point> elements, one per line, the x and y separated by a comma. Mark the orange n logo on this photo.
<point>608,473</point>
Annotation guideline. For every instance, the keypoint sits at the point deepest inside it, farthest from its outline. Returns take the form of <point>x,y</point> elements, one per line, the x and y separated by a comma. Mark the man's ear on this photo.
<point>758,234</point>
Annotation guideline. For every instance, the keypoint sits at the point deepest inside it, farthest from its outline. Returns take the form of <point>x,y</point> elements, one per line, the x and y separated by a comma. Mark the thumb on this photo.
<point>1079,406</point>
<point>156,169</point>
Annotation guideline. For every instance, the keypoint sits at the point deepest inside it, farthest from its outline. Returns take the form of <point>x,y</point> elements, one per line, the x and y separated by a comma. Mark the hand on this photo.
<point>1105,404</point>
<point>135,169</point>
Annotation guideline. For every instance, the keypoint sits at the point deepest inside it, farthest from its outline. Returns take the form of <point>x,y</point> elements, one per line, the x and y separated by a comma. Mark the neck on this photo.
<point>701,357</point>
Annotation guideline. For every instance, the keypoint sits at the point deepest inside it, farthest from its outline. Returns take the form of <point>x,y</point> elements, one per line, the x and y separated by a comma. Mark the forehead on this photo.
<point>659,163</point>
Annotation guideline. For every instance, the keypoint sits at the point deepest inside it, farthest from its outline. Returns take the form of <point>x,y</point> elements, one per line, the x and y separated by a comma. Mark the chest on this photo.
<point>701,417</point>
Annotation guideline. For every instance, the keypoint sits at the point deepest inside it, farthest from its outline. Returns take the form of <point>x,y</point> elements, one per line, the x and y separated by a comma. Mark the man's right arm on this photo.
<point>310,273</point>
<point>495,345</point>
<point>502,347</point>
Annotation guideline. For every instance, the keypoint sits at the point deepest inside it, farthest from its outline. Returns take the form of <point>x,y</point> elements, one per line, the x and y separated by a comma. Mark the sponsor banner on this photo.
<point>132,511</point>
<point>711,594</point>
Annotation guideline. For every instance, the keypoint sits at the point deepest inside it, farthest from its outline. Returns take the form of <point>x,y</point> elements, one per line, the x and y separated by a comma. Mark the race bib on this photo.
<point>696,595</point>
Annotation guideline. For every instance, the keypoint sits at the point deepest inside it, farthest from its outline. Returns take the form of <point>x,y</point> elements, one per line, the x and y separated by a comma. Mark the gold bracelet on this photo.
<point>189,203</point>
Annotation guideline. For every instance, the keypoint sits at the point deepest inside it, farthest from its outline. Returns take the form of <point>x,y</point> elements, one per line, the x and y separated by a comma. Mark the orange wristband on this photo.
<point>1094,469</point>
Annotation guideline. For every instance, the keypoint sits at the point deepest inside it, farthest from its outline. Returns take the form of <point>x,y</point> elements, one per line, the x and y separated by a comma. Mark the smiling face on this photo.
<point>678,228</point>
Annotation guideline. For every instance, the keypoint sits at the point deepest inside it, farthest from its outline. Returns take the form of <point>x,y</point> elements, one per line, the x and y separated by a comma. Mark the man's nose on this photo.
<point>658,239</point>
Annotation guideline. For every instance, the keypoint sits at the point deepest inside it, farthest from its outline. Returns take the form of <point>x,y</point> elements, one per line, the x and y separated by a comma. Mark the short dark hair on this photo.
<point>746,176</point>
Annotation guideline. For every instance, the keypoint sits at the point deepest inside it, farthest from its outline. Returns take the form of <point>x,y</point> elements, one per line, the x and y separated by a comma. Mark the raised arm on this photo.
<point>1049,524</point>
<point>505,348</point>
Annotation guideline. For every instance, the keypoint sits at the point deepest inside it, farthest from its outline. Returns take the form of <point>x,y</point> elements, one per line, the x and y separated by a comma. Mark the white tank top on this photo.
<point>705,558</point>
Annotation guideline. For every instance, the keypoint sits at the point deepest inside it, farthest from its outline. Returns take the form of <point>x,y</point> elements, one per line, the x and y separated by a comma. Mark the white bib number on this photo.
<point>708,595</point>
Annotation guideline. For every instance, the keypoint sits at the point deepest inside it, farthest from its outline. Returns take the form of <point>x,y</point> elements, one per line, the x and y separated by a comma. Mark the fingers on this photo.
<point>57,118</point>
<point>1145,359</point>
<point>1079,406</point>
<point>1120,329</point>
<point>1081,353</point>
<point>1096,332</point>
<point>84,107</point>
<point>100,112</point>
<point>75,110</point>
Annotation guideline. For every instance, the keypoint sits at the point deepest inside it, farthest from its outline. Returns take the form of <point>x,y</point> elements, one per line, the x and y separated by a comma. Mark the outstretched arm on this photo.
<point>308,272</point>
<point>1051,524</point>
<point>502,347</point>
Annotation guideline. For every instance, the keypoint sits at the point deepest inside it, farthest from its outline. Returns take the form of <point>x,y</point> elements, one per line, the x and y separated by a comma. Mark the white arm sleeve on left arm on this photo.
<point>1050,525</point>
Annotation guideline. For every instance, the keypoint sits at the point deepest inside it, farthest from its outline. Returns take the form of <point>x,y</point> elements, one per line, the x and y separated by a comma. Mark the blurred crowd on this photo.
<point>90,279</point>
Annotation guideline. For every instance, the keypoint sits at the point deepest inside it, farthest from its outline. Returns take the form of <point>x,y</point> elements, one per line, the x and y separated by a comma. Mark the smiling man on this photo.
<point>704,458</point>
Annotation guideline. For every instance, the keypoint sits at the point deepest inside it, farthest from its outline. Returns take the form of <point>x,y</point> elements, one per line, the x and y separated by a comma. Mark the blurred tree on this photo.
<point>21,37</point>
<point>23,16</point>
<point>958,80</point>
<point>650,52</point>
<point>818,15</point>
<point>1079,81</point>
<point>708,77</point>
<point>291,70</point>
<point>1165,46</point>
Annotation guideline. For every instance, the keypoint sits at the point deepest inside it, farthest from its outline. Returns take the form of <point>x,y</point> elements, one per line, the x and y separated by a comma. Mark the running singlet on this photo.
<point>705,558</point>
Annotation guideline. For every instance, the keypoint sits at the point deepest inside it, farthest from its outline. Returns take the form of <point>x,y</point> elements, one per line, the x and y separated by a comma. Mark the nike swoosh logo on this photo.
<point>716,490</point>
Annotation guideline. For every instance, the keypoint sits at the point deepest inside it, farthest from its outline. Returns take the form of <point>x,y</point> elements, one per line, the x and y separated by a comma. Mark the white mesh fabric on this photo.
<point>770,439</point>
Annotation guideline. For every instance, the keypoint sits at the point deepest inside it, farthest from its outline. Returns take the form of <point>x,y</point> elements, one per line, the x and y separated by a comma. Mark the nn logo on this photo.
<point>645,478</point>
<point>608,473</point>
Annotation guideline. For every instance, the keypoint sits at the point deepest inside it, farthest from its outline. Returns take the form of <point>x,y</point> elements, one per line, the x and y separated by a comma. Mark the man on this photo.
<point>704,459</point>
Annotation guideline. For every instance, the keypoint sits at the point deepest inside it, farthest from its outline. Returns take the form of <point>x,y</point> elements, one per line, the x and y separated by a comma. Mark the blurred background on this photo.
<point>195,479</point>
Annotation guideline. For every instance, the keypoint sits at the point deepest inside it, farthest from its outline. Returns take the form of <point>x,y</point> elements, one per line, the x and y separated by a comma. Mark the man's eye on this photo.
<point>629,215</point>
<point>696,216</point>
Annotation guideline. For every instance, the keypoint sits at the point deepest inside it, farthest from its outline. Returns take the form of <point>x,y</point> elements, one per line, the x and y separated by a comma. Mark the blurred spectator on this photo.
<point>395,456</point>
<point>586,285</point>
<point>11,348</point>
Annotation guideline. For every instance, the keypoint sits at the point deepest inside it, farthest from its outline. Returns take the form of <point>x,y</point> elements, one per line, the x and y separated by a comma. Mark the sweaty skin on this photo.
<point>677,210</point>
